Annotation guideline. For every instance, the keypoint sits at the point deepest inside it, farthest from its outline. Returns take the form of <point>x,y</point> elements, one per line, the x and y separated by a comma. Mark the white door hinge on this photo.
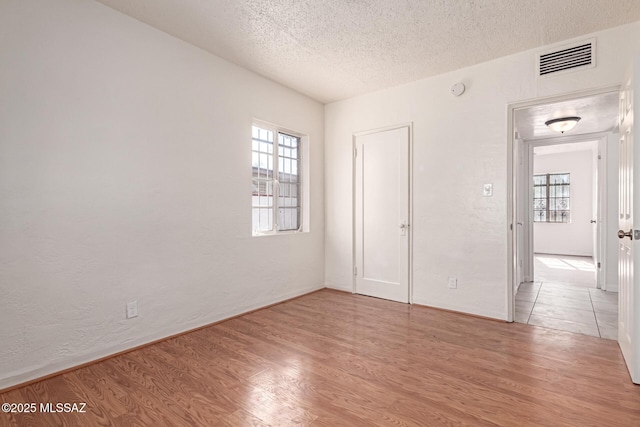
<point>355,271</point>
<point>355,152</point>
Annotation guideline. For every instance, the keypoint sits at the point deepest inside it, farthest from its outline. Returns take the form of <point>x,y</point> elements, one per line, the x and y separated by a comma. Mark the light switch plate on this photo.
<point>132,309</point>
<point>488,190</point>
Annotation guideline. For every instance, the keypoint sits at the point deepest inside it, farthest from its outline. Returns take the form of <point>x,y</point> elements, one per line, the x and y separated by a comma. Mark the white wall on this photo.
<point>575,237</point>
<point>125,174</point>
<point>459,144</point>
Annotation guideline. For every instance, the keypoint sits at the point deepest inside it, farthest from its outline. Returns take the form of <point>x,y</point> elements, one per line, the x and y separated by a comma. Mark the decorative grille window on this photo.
<point>551,197</point>
<point>276,184</point>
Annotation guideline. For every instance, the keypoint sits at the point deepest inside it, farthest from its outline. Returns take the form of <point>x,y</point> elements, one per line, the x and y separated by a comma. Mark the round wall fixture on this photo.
<point>457,89</point>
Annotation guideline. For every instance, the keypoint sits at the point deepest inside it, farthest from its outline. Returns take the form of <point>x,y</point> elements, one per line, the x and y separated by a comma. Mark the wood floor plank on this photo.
<point>336,359</point>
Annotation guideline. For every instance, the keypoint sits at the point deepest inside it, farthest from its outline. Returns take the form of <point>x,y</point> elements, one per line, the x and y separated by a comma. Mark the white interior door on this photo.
<point>523,155</point>
<point>595,215</point>
<point>521,184</point>
<point>600,237</point>
<point>629,205</point>
<point>382,232</point>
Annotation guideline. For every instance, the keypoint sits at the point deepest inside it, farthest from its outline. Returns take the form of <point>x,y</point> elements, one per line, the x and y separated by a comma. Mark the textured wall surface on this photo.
<point>459,144</point>
<point>125,174</point>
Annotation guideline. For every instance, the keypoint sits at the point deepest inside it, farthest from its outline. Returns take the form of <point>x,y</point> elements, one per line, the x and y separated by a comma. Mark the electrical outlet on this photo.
<point>132,309</point>
<point>487,190</point>
<point>453,283</point>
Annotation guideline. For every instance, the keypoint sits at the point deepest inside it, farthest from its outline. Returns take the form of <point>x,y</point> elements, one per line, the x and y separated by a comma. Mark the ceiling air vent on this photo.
<point>566,58</point>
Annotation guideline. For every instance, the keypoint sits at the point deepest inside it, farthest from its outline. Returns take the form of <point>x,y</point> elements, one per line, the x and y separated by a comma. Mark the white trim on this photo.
<point>383,129</point>
<point>353,200</point>
<point>602,216</point>
<point>34,372</point>
<point>354,261</point>
<point>567,139</point>
<point>601,139</point>
<point>303,177</point>
<point>528,222</point>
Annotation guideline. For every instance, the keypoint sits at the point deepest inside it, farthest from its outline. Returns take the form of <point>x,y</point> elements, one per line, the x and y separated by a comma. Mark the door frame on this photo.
<point>513,169</point>
<point>600,193</point>
<point>354,136</point>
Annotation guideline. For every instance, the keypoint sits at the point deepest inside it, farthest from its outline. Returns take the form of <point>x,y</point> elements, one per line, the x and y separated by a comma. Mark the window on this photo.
<point>276,193</point>
<point>551,197</point>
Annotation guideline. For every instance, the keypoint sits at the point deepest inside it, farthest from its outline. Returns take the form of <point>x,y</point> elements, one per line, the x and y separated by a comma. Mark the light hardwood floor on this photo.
<point>336,359</point>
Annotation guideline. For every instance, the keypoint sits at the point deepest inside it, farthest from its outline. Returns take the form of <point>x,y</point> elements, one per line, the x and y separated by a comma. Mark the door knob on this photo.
<point>403,229</point>
<point>593,221</point>
<point>622,234</point>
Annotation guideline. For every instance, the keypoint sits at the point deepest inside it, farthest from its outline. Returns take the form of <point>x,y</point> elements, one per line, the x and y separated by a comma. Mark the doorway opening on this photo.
<point>564,265</point>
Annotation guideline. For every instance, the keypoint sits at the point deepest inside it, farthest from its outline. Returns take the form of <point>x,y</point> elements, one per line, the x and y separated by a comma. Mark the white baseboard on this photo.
<point>52,369</point>
<point>339,287</point>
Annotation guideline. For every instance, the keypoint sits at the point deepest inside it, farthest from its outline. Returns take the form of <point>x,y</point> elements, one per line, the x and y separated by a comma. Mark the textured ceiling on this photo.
<point>335,49</point>
<point>598,113</point>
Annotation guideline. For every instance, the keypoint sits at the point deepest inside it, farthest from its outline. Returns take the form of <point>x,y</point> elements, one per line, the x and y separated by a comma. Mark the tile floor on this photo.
<point>564,296</point>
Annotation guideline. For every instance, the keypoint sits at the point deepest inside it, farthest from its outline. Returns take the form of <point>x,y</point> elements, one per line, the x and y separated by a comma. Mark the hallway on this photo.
<point>564,296</point>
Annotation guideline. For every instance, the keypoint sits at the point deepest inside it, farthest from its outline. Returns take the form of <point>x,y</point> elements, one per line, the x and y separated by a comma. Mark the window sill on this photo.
<point>280,233</point>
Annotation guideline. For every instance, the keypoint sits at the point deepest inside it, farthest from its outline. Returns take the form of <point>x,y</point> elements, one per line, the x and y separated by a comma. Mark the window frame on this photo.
<point>276,186</point>
<point>548,185</point>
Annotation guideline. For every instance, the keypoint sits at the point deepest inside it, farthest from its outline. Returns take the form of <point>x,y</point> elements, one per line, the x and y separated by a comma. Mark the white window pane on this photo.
<point>264,161</point>
<point>265,219</point>
<point>288,219</point>
<point>255,220</point>
<point>264,166</point>
<point>282,222</point>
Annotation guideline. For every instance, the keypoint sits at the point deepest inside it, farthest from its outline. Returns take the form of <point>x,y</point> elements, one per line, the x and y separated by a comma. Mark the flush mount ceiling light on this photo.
<point>562,124</point>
